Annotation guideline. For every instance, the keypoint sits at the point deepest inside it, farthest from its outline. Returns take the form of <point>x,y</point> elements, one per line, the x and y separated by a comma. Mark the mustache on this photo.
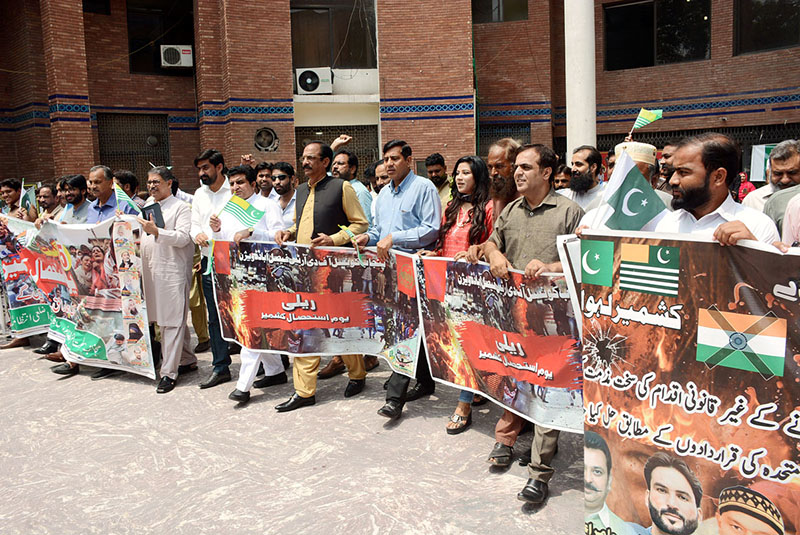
<point>672,511</point>
<point>590,486</point>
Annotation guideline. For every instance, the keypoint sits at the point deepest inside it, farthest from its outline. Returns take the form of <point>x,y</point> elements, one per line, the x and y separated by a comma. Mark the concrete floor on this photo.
<point>113,457</point>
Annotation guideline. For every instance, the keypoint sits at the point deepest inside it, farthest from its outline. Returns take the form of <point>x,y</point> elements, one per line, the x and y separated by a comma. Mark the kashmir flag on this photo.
<point>123,197</point>
<point>243,211</point>
<point>741,341</point>
<point>646,117</point>
<point>632,198</point>
<point>649,269</point>
<point>597,262</point>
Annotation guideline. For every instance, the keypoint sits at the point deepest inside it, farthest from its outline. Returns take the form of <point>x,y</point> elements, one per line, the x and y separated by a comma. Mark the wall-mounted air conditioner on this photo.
<point>176,56</point>
<point>315,81</point>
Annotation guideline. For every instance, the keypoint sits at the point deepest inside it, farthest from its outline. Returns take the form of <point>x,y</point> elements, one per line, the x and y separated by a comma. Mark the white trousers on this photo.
<point>273,365</point>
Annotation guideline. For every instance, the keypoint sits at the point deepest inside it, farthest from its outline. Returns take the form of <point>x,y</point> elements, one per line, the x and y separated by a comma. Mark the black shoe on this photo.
<point>202,347</point>
<point>419,390</point>
<point>49,346</point>
<point>234,349</point>
<point>500,455</point>
<point>216,378</point>
<point>295,402</point>
<point>238,395</point>
<point>271,380</point>
<point>386,383</point>
<point>64,369</point>
<point>354,386</point>
<point>285,361</point>
<point>102,373</point>
<point>533,492</point>
<point>186,368</point>
<point>391,410</point>
<point>166,384</point>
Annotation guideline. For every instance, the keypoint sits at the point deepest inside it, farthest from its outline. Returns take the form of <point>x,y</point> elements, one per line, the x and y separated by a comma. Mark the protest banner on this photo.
<point>322,301</point>
<point>691,385</point>
<point>28,308</point>
<point>513,340</point>
<point>91,275</point>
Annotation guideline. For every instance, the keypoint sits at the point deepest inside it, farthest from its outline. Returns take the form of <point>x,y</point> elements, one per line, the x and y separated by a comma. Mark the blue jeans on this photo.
<point>219,347</point>
<point>466,396</point>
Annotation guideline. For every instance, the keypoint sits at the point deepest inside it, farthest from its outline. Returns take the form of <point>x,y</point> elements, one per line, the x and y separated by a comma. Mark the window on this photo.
<point>103,7</point>
<point>152,23</point>
<point>499,10</point>
<point>767,25</point>
<point>656,32</point>
<point>333,33</point>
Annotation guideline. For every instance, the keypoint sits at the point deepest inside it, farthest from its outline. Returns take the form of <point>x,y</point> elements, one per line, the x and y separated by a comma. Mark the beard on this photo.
<point>502,189</point>
<point>279,189</point>
<point>692,198</point>
<point>378,187</point>
<point>581,182</point>
<point>689,526</point>
<point>207,180</point>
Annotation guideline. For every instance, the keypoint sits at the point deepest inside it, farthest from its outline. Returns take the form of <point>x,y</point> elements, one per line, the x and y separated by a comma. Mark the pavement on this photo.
<point>113,457</point>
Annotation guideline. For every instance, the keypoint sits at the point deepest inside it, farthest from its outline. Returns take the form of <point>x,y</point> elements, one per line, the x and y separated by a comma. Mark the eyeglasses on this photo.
<point>280,177</point>
<point>153,182</point>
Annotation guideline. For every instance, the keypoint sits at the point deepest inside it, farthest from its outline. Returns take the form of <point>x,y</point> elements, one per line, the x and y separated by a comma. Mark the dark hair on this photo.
<point>325,151</point>
<point>717,151</point>
<point>593,441</point>
<point>51,187</point>
<point>61,183</point>
<point>405,149</point>
<point>107,174</point>
<point>166,174</point>
<point>352,159</point>
<point>286,167</point>
<point>248,172</point>
<point>369,171</point>
<point>77,181</point>
<point>434,159</point>
<point>594,156</point>
<point>262,166</point>
<point>213,156</point>
<point>13,183</point>
<point>547,158</point>
<point>563,168</point>
<point>664,460</point>
<point>480,197</point>
<point>126,177</point>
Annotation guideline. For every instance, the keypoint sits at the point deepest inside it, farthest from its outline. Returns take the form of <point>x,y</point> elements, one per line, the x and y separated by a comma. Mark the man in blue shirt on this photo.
<point>408,214</point>
<point>104,206</point>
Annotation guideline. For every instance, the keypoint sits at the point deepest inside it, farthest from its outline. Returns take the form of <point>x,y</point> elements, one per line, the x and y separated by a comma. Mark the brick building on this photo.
<point>83,80</point>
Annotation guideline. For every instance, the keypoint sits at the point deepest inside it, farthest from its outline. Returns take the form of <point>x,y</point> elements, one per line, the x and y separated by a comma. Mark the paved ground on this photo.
<point>112,456</point>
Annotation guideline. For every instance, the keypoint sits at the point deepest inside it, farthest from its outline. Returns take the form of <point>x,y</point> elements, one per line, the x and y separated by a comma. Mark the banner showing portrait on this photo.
<point>28,308</point>
<point>91,275</point>
<point>513,340</point>
<point>322,301</point>
<point>691,386</point>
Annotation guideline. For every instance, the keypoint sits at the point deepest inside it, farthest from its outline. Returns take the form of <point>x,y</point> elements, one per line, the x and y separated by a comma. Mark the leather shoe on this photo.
<point>64,369</point>
<point>419,390</point>
<point>186,368</point>
<point>533,492</point>
<point>55,357</point>
<point>234,349</point>
<point>216,378</point>
<point>102,373</point>
<point>49,346</point>
<point>16,342</point>
<point>166,384</point>
<point>202,347</point>
<point>295,402</point>
<point>238,395</point>
<point>354,386</point>
<point>370,362</point>
<point>332,369</point>
<point>271,380</point>
<point>391,410</point>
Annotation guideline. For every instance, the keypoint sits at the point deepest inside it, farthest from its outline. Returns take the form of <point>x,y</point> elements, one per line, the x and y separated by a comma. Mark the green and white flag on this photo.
<point>28,199</point>
<point>244,212</point>
<point>646,117</point>
<point>123,197</point>
<point>649,269</point>
<point>632,198</point>
<point>597,262</point>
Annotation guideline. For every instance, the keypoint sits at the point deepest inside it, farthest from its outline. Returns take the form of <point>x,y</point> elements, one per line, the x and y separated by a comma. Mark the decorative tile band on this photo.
<point>516,113</point>
<point>428,108</point>
<point>255,110</point>
<point>69,108</point>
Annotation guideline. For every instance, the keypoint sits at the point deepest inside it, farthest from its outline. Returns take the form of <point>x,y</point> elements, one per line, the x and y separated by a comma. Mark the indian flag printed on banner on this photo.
<point>243,211</point>
<point>123,197</point>
<point>649,269</point>
<point>646,117</point>
<point>742,341</point>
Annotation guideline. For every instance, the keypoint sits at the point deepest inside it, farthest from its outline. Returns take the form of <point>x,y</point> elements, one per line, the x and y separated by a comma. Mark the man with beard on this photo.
<point>209,200</point>
<point>784,172</point>
<point>597,485</point>
<point>500,162</point>
<point>77,208</point>
<point>743,511</point>
<point>437,173</point>
<point>345,166</point>
<point>673,497</point>
<point>284,184</point>
<point>563,174</point>
<point>704,166</point>
<point>48,204</point>
<point>666,164</point>
<point>585,187</point>
<point>264,181</point>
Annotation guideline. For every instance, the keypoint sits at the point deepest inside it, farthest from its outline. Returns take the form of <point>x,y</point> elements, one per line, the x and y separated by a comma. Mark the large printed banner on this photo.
<point>322,301</point>
<point>513,340</point>
<point>91,276</point>
<point>28,307</point>
<point>691,386</point>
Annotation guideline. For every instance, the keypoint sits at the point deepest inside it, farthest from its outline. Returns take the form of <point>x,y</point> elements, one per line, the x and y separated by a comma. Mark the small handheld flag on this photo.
<point>243,211</point>
<point>28,199</point>
<point>646,117</point>
<point>123,197</point>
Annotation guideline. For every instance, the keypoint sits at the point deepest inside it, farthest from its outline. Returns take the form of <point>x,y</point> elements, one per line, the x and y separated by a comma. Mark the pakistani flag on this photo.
<point>650,269</point>
<point>632,198</point>
<point>123,197</point>
<point>741,341</point>
<point>28,199</point>
<point>646,117</point>
<point>243,211</point>
<point>597,262</point>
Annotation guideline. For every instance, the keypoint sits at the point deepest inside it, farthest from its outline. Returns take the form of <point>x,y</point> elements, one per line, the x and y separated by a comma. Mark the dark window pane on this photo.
<point>629,36</point>
<point>515,10</point>
<point>311,38</point>
<point>103,7</point>
<point>152,24</point>
<point>767,24</point>
<point>354,37</point>
<point>485,11</point>
<point>333,33</point>
<point>683,30</point>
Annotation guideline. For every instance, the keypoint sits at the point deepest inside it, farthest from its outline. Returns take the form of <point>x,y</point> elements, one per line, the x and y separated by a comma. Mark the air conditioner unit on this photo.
<point>316,81</point>
<point>176,56</point>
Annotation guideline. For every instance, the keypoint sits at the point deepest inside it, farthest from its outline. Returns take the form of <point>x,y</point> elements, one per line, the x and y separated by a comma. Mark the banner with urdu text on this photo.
<point>321,301</point>
<point>691,357</point>
<point>513,340</point>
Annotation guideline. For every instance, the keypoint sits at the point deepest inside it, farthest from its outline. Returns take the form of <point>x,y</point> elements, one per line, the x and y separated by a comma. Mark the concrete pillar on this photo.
<point>579,61</point>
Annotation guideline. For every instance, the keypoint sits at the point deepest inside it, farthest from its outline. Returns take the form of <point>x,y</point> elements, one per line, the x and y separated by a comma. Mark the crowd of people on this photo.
<point>505,208</point>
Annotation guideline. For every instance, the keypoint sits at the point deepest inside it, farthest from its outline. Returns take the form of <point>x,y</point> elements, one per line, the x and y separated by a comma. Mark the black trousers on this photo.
<point>398,383</point>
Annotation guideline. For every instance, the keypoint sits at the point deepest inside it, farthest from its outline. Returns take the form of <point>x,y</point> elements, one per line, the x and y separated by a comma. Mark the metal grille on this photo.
<point>132,141</point>
<point>491,133</point>
<point>364,144</point>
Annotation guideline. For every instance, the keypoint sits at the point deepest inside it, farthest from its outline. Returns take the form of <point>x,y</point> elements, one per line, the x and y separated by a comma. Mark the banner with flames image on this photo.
<point>91,277</point>
<point>691,364</point>
<point>514,341</point>
<point>322,301</point>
